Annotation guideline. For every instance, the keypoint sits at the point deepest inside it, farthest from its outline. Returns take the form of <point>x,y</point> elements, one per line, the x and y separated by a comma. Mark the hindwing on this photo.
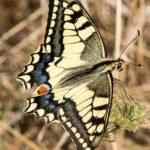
<point>85,112</point>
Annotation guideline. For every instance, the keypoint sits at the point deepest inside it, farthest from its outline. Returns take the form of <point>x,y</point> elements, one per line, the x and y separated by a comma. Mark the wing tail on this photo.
<point>42,107</point>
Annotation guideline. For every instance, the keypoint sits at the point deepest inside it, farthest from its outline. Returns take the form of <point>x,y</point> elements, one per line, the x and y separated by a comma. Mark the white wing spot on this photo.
<point>67,18</point>
<point>50,117</point>
<point>32,107</point>
<point>68,12</point>
<point>65,4</point>
<point>84,145</point>
<point>88,125</point>
<point>30,61</point>
<point>52,23</point>
<point>48,48</point>
<point>91,130</point>
<point>76,48</point>
<point>91,138</point>
<point>46,119</point>
<point>86,33</point>
<point>36,58</point>
<point>28,85</point>
<point>40,112</point>
<point>69,33</point>
<point>69,25</point>
<point>88,148</point>
<point>82,97</point>
<point>26,78</point>
<point>56,2</point>
<point>81,140</point>
<point>64,119</point>
<point>68,124</point>
<point>74,129</point>
<point>87,117</point>
<point>50,32</point>
<point>80,22</point>
<point>55,9</point>
<point>53,16</point>
<point>76,7</point>
<point>100,128</point>
<point>99,113</point>
<point>31,100</point>
<point>100,101</point>
<point>29,69</point>
<point>61,112</point>
<point>83,104</point>
<point>78,135</point>
<point>48,39</point>
<point>72,56</point>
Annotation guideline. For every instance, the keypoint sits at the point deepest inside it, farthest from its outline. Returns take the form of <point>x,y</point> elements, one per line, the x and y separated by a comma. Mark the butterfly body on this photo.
<point>73,75</point>
<point>88,72</point>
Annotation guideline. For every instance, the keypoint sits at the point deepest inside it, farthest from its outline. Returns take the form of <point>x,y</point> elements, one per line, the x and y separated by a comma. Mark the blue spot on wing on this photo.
<point>40,66</point>
<point>39,75</point>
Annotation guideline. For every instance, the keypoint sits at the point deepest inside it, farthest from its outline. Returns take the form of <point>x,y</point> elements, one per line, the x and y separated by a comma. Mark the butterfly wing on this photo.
<point>72,44</point>
<point>86,111</point>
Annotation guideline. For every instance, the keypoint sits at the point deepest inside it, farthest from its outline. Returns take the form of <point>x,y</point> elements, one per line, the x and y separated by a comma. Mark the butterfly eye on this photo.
<point>120,66</point>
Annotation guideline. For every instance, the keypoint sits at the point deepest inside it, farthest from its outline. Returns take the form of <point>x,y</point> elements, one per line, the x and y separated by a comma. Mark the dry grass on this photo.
<point>22,25</point>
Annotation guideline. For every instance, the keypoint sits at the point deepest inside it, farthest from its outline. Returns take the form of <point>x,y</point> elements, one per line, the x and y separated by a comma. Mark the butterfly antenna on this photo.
<point>136,65</point>
<point>138,31</point>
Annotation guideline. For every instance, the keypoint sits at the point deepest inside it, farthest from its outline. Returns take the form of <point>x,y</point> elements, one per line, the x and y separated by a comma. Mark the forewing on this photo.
<point>71,33</point>
<point>85,112</point>
<point>71,41</point>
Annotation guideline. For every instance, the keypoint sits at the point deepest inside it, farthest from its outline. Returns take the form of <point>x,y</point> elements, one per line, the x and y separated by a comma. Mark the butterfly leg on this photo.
<point>129,97</point>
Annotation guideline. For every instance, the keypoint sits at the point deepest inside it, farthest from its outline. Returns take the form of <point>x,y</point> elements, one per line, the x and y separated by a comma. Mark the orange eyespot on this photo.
<point>42,89</point>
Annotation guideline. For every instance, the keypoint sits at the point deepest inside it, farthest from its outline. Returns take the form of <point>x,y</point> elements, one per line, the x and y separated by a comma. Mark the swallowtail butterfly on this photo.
<point>73,75</point>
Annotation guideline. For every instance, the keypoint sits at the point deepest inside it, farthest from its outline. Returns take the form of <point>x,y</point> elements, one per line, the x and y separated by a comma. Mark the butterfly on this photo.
<point>73,75</point>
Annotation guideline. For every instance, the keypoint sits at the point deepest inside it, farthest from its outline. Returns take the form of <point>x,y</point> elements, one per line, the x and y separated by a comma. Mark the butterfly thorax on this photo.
<point>109,65</point>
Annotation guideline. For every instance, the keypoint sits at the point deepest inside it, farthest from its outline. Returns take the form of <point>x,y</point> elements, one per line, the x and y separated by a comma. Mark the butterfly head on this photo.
<point>119,64</point>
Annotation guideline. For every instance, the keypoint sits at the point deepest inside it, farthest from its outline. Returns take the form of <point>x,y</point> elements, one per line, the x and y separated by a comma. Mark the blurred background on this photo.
<point>22,29</point>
